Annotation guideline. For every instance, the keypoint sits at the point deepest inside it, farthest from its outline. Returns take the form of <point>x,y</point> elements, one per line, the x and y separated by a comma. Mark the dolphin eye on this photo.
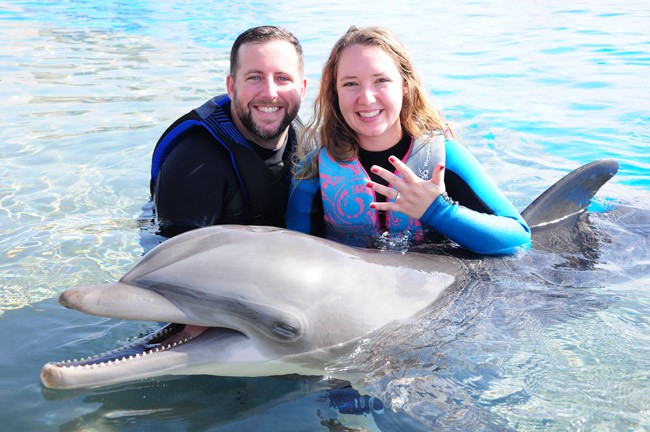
<point>285,331</point>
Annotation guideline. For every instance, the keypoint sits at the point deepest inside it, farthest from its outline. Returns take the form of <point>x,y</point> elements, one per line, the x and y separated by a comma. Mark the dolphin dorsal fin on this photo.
<point>571,195</point>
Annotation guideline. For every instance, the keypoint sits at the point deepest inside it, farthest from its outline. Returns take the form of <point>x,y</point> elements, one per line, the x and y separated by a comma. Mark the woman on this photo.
<point>386,161</point>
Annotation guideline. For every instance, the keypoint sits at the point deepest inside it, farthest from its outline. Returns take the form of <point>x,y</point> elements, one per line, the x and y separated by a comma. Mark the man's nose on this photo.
<point>270,88</point>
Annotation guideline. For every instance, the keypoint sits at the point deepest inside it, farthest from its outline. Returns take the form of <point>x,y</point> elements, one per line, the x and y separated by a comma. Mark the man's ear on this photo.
<point>230,86</point>
<point>304,87</point>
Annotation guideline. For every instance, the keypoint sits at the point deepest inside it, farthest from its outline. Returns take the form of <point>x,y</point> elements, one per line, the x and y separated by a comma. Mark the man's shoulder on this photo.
<point>196,141</point>
<point>220,102</point>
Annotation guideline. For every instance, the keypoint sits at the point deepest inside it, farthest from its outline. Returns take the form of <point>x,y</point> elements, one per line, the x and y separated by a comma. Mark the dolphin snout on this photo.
<point>69,298</point>
<point>51,376</point>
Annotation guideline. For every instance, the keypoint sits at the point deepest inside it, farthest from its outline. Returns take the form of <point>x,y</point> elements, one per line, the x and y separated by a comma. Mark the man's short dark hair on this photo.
<point>265,33</point>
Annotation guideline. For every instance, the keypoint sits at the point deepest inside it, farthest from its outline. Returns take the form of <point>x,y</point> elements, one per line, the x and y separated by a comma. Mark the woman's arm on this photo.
<point>497,231</point>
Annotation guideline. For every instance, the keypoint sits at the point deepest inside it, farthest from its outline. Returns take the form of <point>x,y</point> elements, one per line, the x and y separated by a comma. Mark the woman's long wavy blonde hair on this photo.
<point>328,128</point>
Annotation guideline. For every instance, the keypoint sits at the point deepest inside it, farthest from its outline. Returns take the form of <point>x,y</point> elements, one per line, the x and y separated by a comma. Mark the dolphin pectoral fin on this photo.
<point>122,301</point>
<point>571,195</point>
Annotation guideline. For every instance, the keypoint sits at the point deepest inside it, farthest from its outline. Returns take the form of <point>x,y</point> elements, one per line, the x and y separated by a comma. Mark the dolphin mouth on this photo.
<point>157,343</point>
<point>164,339</point>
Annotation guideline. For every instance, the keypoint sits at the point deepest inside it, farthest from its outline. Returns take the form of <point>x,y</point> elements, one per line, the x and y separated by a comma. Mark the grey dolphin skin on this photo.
<point>261,301</point>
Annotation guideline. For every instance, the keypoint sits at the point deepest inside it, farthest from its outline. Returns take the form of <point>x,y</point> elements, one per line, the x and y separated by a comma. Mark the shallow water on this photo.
<point>542,342</point>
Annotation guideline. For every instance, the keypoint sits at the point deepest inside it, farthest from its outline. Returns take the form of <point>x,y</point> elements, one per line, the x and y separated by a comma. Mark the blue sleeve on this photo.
<point>503,232</point>
<point>300,206</point>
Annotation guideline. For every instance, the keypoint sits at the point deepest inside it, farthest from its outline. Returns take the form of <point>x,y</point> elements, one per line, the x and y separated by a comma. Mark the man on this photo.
<point>228,161</point>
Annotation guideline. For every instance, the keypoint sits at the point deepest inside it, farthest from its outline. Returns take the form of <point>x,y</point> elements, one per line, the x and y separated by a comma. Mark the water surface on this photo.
<point>541,342</point>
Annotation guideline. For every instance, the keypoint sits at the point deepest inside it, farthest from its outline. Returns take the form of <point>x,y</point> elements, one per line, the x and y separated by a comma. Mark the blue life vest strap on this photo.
<point>213,118</point>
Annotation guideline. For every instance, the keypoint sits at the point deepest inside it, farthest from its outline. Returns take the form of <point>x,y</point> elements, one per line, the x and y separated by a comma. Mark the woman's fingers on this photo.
<point>386,191</point>
<point>404,170</point>
<point>438,176</point>
<point>408,193</point>
<point>385,174</point>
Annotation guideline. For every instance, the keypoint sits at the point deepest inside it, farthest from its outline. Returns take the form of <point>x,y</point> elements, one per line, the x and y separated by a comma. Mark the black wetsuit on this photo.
<point>202,176</point>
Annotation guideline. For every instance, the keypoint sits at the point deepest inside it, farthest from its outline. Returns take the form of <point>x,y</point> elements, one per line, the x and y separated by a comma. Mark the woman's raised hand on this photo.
<point>411,194</point>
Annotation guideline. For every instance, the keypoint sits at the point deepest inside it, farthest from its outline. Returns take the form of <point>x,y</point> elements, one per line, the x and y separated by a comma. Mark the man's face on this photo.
<point>266,91</point>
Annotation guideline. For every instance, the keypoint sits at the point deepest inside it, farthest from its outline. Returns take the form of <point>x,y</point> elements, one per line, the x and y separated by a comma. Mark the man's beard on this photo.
<point>246,117</point>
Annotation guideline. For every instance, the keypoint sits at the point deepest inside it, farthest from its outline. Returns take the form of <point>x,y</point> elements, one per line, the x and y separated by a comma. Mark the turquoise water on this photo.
<point>545,342</point>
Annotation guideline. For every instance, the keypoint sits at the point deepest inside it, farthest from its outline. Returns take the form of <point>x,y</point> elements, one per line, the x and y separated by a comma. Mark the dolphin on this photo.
<point>262,301</point>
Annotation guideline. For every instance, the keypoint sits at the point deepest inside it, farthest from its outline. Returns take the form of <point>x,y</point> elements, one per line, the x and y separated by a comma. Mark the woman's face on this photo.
<point>370,90</point>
